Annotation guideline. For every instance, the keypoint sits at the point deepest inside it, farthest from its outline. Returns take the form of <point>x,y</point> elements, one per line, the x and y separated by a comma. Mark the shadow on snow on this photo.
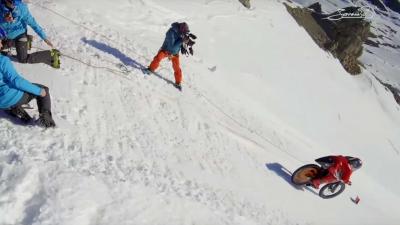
<point>286,175</point>
<point>125,60</point>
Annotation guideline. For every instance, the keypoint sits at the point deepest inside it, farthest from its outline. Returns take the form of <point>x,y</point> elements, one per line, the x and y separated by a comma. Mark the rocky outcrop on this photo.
<point>343,37</point>
<point>245,3</point>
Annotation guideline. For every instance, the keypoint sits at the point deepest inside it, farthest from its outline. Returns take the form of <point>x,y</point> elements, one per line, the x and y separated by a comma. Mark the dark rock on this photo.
<point>316,7</point>
<point>395,91</point>
<point>304,17</point>
<point>391,46</point>
<point>246,3</point>
<point>343,37</point>
<point>372,43</point>
<point>391,29</point>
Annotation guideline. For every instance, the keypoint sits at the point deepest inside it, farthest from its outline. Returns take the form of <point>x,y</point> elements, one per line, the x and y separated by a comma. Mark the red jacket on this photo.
<point>340,168</point>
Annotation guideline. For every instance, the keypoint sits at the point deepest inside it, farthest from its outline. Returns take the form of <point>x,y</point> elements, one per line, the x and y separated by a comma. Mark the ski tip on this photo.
<point>146,71</point>
<point>178,86</point>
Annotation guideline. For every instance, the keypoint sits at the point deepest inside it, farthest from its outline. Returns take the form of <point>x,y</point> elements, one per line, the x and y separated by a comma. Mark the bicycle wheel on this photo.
<point>305,174</point>
<point>332,190</point>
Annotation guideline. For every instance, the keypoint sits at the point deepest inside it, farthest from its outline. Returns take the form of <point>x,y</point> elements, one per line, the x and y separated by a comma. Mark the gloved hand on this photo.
<point>43,92</point>
<point>348,183</point>
<point>192,36</point>
<point>185,39</point>
<point>7,43</point>
<point>48,42</point>
<point>184,51</point>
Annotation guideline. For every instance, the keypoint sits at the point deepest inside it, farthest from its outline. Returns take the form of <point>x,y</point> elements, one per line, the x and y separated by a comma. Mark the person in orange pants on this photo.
<point>175,64</point>
<point>174,39</point>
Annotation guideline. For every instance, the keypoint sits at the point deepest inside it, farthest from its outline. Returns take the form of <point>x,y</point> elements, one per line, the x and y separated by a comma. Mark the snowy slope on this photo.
<point>131,149</point>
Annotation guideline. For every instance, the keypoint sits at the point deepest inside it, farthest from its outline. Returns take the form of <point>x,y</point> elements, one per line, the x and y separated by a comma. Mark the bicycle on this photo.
<point>305,174</point>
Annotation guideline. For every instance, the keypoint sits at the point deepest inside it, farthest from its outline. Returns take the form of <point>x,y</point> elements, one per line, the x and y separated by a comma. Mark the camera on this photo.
<point>187,47</point>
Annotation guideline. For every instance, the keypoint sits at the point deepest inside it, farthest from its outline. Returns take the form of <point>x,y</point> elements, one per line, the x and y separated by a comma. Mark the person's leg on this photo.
<point>44,107</point>
<point>44,103</point>
<point>157,59</point>
<point>21,46</point>
<point>17,110</point>
<point>26,98</point>
<point>40,57</point>
<point>326,179</point>
<point>6,47</point>
<point>177,69</point>
<point>49,57</point>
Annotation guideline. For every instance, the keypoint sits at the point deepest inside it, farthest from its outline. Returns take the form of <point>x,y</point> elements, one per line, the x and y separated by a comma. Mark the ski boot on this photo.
<point>178,86</point>
<point>147,71</point>
<point>55,58</point>
<point>20,113</point>
<point>46,120</point>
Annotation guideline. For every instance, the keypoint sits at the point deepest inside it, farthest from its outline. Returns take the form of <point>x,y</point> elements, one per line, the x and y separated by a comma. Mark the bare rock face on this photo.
<point>346,44</point>
<point>343,37</point>
<point>246,3</point>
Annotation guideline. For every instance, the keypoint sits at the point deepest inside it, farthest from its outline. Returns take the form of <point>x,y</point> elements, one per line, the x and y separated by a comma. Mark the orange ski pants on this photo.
<point>175,64</point>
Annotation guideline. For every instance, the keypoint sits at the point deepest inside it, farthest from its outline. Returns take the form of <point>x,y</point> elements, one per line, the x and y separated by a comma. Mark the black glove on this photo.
<point>184,51</point>
<point>191,50</point>
<point>192,36</point>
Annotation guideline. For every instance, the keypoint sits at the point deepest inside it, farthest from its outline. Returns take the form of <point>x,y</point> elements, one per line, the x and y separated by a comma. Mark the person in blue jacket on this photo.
<point>15,91</point>
<point>14,19</point>
<point>174,39</point>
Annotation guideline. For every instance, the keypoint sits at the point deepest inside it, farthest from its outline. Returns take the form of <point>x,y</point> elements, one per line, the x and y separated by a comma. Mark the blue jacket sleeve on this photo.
<point>31,21</point>
<point>16,81</point>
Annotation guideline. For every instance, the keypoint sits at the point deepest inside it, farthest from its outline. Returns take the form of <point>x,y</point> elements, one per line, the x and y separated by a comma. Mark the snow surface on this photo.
<point>260,99</point>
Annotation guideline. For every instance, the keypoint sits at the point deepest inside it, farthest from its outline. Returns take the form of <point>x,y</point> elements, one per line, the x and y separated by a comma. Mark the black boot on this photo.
<point>46,120</point>
<point>19,113</point>
<point>178,86</point>
<point>147,71</point>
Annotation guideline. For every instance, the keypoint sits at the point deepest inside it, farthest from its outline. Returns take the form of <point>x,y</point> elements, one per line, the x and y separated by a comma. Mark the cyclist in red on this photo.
<point>341,169</point>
